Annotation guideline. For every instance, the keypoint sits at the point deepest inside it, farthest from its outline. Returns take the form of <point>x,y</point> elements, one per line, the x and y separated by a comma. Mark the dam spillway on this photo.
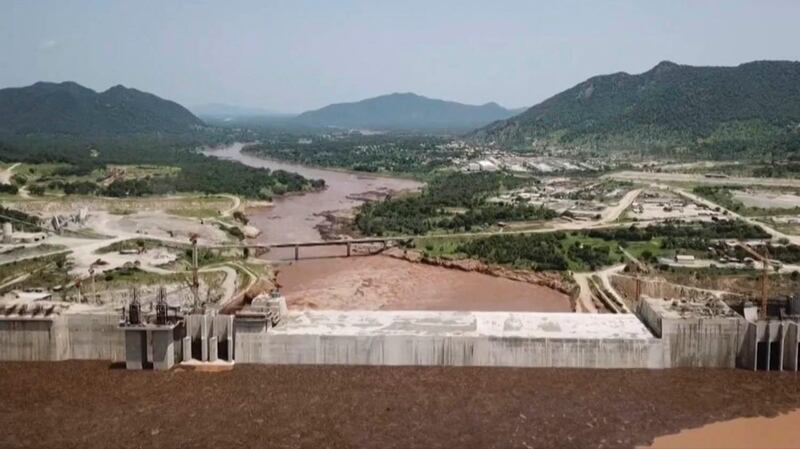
<point>450,338</point>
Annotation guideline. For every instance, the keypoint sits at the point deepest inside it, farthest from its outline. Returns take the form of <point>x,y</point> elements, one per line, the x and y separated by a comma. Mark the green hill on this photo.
<point>69,108</point>
<point>753,107</point>
<point>403,111</point>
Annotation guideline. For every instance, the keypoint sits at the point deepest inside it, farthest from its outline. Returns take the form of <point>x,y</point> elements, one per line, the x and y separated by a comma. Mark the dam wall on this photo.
<point>91,336</point>
<point>451,339</point>
<point>695,337</point>
<point>663,334</point>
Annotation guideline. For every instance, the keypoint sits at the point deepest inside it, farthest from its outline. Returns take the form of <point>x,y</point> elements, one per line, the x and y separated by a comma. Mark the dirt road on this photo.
<point>702,179</point>
<point>768,229</point>
<point>612,213</point>
<point>5,175</point>
<point>585,303</point>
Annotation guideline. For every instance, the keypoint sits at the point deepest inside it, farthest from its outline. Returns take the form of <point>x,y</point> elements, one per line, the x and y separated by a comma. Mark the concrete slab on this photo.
<point>451,339</point>
<point>486,324</point>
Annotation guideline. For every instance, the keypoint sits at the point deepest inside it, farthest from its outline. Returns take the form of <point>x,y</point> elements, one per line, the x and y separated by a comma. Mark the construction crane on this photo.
<point>764,259</point>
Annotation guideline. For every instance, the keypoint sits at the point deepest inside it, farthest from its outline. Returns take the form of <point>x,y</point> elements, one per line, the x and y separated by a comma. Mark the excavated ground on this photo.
<point>94,405</point>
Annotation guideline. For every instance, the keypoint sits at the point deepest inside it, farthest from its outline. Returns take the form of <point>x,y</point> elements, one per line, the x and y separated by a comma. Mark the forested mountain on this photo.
<point>753,106</point>
<point>69,108</point>
<point>403,111</point>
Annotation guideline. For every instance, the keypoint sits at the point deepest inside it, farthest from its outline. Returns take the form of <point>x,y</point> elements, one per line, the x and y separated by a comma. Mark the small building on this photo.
<point>684,258</point>
<point>487,166</point>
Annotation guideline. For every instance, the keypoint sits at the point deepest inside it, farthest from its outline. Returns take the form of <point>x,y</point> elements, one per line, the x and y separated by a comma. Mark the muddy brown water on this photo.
<point>386,283</point>
<point>782,431</point>
<point>84,404</point>
<point>321,281</point>
<point>293,218</point>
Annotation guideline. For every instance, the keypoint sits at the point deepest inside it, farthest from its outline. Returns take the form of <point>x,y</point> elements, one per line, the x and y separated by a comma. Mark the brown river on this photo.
<point>323,280</point>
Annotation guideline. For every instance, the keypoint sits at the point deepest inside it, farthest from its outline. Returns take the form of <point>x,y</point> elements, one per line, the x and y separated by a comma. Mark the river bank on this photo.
<point>295,218</point>
<point>378,282</point>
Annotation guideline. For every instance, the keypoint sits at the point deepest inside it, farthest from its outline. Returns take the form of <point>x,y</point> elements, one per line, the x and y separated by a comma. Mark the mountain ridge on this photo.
<point>403,111</point>
<point>70,108</point>
<point>670,105</point>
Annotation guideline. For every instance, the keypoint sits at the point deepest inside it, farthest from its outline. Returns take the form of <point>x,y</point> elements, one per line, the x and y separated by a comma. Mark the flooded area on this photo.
<point>386,283</point>
<point>320,280</point>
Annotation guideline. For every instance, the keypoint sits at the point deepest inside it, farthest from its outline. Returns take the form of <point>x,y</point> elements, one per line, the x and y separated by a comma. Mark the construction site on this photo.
<point>651,325</point>
<point>114,288</point>
<point>164,285</point>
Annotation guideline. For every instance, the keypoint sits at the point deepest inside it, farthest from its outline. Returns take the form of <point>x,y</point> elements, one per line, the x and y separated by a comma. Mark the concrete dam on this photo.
<point>662,334</point>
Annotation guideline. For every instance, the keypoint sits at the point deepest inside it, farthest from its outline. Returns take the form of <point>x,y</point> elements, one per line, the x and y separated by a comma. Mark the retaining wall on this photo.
<point>694,341</point>
<point>62,337</point>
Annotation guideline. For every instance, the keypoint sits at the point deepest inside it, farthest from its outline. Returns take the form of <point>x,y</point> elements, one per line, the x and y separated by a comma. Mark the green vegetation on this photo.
<point>538,252</point>
<point>155,164</point>
<point>591,249</point>
<point>233,231</point>
<point>553,251</point>
<point>10,189</point>
<point>142,244</point>
<point>70,108</point>
<point>723,229</point>
<point>677,110</point>
<point>20,220</point>
<point>397,154</point>
<point>451,202</point>
<point>41,271</point>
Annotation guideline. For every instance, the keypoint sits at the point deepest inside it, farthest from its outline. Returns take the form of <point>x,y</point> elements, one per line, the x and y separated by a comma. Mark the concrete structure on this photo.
<point>162,351</point>
<point>210,336</point>
<point>8,232</point>
<point>449,338</point>
<point>771,345</point>
<point>30,336</point>
<point>694,333</point>
<point>186,344</point>
<point>665,334</point>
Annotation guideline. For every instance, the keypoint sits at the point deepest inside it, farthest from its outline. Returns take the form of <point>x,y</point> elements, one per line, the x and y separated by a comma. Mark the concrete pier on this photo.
<point>187,348</point>
<point>213,349</point>
<point>135,349</point>
<point>163,349</point>
<point>204,328</point>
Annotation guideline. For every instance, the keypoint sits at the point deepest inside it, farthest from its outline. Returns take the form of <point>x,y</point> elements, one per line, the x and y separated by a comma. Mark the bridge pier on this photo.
<point>296,252</point>
<point>348,249</point>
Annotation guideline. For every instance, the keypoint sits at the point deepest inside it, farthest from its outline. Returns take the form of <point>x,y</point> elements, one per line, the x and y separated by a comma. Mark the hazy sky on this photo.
<point>295,55</point>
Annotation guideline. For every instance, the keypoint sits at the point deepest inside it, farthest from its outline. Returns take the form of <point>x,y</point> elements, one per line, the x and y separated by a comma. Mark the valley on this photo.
<point>644,224</point>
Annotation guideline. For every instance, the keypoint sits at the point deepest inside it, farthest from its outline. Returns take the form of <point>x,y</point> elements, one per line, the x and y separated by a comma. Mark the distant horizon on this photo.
<point>266,110</point>
<point>304,55</point>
